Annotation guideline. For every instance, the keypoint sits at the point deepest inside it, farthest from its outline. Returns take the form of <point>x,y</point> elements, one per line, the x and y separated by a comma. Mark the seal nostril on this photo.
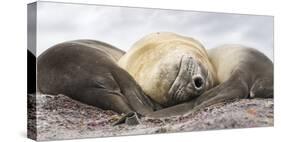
<point>198,82</point>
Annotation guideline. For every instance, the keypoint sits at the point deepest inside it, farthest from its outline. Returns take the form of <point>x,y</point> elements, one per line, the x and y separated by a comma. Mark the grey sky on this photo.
<point>122,26</point>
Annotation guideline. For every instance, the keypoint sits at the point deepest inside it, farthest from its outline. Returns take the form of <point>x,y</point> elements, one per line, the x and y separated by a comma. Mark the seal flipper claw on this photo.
<point>131,118</point>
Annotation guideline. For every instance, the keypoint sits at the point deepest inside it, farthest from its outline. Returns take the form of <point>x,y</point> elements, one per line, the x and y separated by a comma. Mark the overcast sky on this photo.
<point>122,26</point>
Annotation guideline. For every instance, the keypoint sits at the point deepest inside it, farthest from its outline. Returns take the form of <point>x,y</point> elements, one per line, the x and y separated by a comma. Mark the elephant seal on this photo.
<point>242,72</point>
<point>86,70</point>
<point>170,68</point>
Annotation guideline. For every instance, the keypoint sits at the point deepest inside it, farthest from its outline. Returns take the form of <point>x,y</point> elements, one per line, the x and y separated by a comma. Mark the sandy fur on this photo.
<point>225,59</point>
<point>153,61</point>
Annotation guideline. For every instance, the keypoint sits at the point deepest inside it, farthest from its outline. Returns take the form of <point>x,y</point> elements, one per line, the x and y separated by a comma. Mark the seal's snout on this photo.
<point>190,81</point>
<point>198,83</point>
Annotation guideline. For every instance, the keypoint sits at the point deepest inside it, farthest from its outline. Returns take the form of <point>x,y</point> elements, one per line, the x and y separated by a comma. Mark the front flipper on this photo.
<point>262,88</point>
<point>131,118</point>
<point>234,88</point>
<point>104,98</point>
<point>180,109</point>
<point>229,90</point>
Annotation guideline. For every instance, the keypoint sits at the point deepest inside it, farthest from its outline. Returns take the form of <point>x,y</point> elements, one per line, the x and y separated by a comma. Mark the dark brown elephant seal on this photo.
<point>86,70</point>
<point>242,72</point>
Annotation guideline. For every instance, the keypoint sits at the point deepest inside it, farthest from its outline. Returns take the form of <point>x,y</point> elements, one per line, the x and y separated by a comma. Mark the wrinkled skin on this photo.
<point>190,82</point>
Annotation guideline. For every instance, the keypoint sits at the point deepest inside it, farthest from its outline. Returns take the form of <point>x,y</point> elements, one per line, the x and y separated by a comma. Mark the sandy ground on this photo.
<point>59,117</point>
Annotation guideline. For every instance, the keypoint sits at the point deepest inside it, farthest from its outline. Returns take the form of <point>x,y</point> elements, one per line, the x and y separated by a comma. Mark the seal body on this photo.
<point>86,70</point>
<point>170,68</point>
<point>242,72</point>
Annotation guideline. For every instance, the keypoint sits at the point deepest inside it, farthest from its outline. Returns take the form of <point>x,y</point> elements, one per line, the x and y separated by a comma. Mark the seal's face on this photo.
<point>190,82</point>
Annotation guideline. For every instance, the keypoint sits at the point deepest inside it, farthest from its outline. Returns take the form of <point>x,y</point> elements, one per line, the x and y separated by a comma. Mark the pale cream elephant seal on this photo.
<point>170,68</point>
<point>242,72</point>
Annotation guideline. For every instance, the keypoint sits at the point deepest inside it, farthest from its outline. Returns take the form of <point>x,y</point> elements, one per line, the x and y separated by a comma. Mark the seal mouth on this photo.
<point>180,95</point>
<point>188,83</point>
